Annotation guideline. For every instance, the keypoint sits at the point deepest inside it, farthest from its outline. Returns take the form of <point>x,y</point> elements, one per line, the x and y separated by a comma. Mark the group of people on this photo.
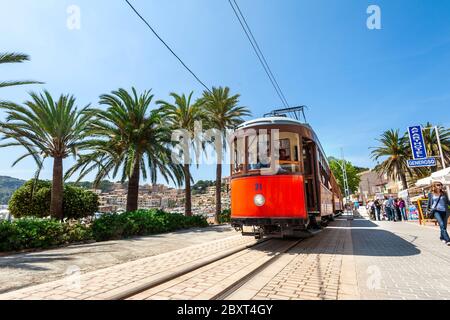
<point>395,209</point>
<point>388,209</point>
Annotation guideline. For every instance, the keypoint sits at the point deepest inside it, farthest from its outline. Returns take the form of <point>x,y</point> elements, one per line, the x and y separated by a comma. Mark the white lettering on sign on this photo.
<point>417,144</point>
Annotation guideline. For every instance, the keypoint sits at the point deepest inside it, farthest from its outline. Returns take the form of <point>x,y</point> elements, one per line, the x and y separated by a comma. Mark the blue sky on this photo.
<point>357,82</point>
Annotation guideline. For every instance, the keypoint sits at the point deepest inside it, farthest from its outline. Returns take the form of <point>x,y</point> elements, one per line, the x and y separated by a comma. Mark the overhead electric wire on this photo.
<point>243,22</point>
<point>167,46</point>
<point>260,51</point>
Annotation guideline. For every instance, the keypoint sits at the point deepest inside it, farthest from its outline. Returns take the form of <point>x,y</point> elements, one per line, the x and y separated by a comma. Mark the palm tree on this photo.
<point>223,113</point>
<point>128,136</point>
<point>182,115</point>
<point>46,128</point>
<point>11,57</point>
<point>431,142</point>
<point>395,148</point>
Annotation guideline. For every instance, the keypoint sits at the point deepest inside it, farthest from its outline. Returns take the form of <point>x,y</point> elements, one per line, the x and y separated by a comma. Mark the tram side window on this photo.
<point>307,157</point>
<point>238,154</point>
<point>324,173</point>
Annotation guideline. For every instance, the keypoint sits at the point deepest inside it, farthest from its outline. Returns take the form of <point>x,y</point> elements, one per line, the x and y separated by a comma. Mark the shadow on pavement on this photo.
<point>26,262</point>
<point>368,239</point>
<point>381,243</point>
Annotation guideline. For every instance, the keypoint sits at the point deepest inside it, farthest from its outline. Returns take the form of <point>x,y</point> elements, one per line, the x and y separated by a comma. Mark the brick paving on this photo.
<point>400,260</point>
<point>109,282</point>
<point>310,271</point>
<point>359,259</point>
<point>211,280</point>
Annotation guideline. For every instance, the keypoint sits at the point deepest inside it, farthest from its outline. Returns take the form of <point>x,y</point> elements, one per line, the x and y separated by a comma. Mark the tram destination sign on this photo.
<point>427,162</point>
<point>419,151</point>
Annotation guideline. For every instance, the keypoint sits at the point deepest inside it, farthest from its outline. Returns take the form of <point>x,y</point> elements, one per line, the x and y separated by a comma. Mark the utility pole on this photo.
<point>444,166</point>
<point>440,147</point>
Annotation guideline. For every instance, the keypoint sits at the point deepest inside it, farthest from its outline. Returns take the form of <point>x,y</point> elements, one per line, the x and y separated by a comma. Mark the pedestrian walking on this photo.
<point>402,207</point>
<point>387,211</point>
<point>377,206</point>
<point>438,203</point>
<point>371,210</point>
<point>398,215</point>
<point>390,208</point>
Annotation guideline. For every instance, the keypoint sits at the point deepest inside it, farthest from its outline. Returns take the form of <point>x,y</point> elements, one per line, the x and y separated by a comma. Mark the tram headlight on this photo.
<point>259,200</point>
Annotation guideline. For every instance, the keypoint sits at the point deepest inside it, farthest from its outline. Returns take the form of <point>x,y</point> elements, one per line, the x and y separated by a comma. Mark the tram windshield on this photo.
<point>264,153</point>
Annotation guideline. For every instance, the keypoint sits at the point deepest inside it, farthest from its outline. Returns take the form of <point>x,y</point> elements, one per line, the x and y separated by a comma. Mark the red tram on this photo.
<point>280,178</point>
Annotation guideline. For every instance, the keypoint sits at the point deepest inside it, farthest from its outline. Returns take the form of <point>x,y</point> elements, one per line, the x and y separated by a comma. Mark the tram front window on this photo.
<point>265,154</point>
<point>288,158</point>
<point>258,152</point>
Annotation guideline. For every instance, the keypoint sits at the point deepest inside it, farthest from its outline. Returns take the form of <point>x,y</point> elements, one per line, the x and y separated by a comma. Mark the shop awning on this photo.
<point>441,176</point>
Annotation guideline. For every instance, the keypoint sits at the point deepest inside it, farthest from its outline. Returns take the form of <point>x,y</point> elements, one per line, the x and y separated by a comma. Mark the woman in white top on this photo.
<point>438,202</point>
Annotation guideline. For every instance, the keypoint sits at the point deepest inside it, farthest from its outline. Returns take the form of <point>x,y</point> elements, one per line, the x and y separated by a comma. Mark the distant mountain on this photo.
<point>7,187</point>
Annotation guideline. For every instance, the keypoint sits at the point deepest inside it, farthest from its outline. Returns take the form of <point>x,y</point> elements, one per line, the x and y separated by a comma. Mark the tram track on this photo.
<point>219,278</point>
<point>200,264</point>
<point>238,284</point>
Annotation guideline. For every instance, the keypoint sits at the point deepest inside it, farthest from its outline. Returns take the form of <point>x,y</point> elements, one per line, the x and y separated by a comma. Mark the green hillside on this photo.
<point>7,186</point>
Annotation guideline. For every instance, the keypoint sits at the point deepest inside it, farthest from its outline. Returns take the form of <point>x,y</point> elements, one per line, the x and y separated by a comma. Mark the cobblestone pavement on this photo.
<point>27,269</point>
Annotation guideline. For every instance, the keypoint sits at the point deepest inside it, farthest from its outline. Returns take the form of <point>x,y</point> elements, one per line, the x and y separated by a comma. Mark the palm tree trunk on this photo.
<point>133,187</point>
<point>187,184</point>
<point>56,202</point>
<point>218,192</point>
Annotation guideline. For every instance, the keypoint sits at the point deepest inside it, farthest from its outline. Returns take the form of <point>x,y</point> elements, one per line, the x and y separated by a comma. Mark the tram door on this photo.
<point>309,152</point>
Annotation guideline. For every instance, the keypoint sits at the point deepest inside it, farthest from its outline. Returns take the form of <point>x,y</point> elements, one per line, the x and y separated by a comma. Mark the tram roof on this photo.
<point>270,120</point>
<point>282,120</point>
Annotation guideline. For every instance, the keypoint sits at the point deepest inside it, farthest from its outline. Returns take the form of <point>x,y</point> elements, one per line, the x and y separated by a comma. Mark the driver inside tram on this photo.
<point>283,155</point>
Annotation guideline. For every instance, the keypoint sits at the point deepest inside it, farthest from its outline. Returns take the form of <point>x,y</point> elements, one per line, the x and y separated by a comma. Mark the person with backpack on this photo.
<point>437,208</point>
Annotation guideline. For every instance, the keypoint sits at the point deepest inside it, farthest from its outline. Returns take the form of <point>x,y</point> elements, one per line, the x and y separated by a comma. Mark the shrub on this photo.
<point>225,216</point>
<point>141,222</point>
<point>29,233</point>
<point>42,233</point>
<point>22,204</point>
<point>77,202</point>
<point>77,232</point>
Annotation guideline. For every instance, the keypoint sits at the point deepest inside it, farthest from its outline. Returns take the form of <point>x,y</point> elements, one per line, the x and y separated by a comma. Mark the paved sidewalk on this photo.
<point>359,259</point>
<point>399,260</point>
<point>27,269</point>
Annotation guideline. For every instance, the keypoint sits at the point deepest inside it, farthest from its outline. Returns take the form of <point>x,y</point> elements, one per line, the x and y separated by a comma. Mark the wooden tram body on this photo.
<point>288,193</point>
